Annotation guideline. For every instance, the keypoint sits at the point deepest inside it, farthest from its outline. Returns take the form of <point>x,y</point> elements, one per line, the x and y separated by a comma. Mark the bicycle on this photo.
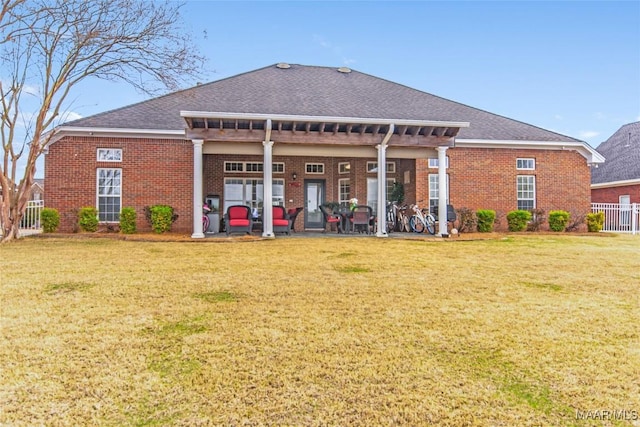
<point>205,219</point>
<point>392,216</point>
<point>402,222</point>
<point>421,220</point>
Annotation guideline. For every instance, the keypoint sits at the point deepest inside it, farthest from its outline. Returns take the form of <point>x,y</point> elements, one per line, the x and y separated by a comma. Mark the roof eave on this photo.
<point>592,156</point>
<point>622,183</point>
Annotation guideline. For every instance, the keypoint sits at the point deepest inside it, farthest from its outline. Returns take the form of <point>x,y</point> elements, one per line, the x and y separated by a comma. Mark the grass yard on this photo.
<point>514,331</point>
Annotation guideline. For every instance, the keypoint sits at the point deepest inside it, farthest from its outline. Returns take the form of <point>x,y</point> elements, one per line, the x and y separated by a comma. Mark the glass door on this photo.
<point>314,197</point>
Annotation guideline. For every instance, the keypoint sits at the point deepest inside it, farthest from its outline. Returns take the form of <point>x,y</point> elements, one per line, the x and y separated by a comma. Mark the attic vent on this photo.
<point>344,70</point>
<point>283,65</point>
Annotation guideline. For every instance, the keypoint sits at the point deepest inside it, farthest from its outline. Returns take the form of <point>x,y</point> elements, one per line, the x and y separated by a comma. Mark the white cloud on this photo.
<point>321,41</point>
<point>558,117</point>
<point>599,116</point>
<point>588,134</point>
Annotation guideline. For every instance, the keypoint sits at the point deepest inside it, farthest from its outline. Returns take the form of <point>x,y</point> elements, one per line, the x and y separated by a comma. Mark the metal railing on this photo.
<point>619,218</point>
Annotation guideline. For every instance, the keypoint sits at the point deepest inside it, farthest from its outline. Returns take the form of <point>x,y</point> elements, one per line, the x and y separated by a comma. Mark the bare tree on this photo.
<point>47,47</point>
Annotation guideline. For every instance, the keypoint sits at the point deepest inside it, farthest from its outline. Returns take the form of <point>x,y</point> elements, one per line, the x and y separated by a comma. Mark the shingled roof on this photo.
<point>622,151</point>
<point>315,91</point>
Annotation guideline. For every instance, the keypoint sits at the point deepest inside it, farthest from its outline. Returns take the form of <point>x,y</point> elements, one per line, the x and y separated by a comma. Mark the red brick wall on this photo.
<point>612,194</point>
<point>153,172</point>
<point>486,179</point>
<point>161,172</point>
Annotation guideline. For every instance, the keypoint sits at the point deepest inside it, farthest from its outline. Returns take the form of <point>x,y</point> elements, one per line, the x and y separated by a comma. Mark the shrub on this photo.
<point>517,220</point>
<point>537,219</point>
<point>486,218</point>
<point>88,219</point>
<point>558,220</point>
<point>128,220</point>
<point>161,218</point>
<point>595,222</point>
<point>50,219</point>
<point>467,221</point>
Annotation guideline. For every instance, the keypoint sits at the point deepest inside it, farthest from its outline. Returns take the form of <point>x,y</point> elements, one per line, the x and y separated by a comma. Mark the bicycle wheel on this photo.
<point>430,223</point>
<point>404,223</point>
<point>205,223</point>
<point>416,224</point>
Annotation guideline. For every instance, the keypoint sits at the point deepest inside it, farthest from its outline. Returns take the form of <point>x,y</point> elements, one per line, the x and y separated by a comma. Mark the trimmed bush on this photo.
<point>517,220</point>
<point>595,221</point>
<point>558,220</point>
<point>486,219</point>
<point>161,218</point>
<point>128,220</point>
<point>88,219</point>
<point>50,219</point>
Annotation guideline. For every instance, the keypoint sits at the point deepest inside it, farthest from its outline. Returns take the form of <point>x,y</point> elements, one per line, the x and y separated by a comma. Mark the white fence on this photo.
<point>619,218</point>
<point>30,223</point>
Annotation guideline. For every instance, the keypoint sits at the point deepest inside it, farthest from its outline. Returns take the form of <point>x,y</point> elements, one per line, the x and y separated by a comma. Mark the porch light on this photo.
<point>294,176</point>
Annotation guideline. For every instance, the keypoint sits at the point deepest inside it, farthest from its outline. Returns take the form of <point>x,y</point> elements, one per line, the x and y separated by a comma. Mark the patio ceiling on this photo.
<point>240,127</point>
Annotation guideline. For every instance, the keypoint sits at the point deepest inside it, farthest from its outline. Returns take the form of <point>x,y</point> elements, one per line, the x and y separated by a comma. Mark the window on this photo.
<point>250,192</point>
<point>434,162</point>
<point>344,167</point>
<point>315,168</point>
<point>253,167</point>
<point>109,154</point>
<point>372,167</point>
<point>372,191</point>
<point>526,164</point>
<point>434,191</point>
<point>233,167</point>
<point>526,188</point>
<point>277,167</point>
<point>109,189</point>
<point>344,191</point>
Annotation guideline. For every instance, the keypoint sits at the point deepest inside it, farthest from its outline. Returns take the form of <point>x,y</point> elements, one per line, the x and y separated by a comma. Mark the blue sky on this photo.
<point>568,66</point>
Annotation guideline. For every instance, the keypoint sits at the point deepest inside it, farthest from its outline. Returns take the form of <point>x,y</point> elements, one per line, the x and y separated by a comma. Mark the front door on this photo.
<point>314,197</point>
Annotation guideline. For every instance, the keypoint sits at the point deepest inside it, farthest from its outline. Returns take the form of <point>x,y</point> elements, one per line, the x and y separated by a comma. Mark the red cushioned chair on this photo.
<point>238,219</point>
<point>281,221</point>
<point>361,219</point>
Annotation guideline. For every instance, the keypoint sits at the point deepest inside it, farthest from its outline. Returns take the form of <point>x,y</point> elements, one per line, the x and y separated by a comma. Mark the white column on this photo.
<point>381,215</point>
<point>267,203</point>
<point>442,191</point>
<point>198,232</point>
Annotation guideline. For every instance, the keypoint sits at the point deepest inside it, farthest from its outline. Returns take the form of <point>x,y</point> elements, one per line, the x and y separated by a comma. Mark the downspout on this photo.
<point>381,217</point>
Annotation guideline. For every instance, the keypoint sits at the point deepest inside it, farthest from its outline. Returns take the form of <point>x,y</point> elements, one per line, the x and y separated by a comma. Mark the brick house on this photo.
<point>618,179</point>
<point>299,135</point>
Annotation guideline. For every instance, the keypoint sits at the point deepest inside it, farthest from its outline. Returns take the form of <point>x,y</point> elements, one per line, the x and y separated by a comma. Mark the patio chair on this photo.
<point>361,219</point>
<point>451,214</point>
<point>331,218</point>
<point>293,214</point>
<point>281,220</point>
<point>238,219</point>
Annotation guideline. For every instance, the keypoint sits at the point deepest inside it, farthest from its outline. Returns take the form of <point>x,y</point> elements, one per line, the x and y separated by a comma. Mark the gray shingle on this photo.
<point>622,154</point>
<point>315,91</point>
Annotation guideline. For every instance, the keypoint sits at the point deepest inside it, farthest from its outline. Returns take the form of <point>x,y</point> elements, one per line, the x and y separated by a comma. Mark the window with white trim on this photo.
<point>372,167</point>
<point>276,167</point>
<point>250,192</point>
<point>314,168</point>
<point>526,192</point>
<point>344,191</point>
<point>434,162</point>
<point>109,194</point>
<point>109,154</point>
<point>344,167</point>
<point>372,191</point>
<point>525,164</point>
<point>233,167</point>
<point>434,191</point>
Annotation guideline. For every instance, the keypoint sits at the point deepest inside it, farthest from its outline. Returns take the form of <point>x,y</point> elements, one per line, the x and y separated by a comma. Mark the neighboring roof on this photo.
<point>622,153</point>
<point>315,91</point>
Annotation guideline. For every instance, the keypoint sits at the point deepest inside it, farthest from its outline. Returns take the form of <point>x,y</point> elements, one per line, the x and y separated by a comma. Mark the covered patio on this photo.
<point>267,135</point>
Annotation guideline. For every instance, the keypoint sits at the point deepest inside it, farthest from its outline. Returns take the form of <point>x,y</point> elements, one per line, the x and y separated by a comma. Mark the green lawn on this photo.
<point>517,330</point>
